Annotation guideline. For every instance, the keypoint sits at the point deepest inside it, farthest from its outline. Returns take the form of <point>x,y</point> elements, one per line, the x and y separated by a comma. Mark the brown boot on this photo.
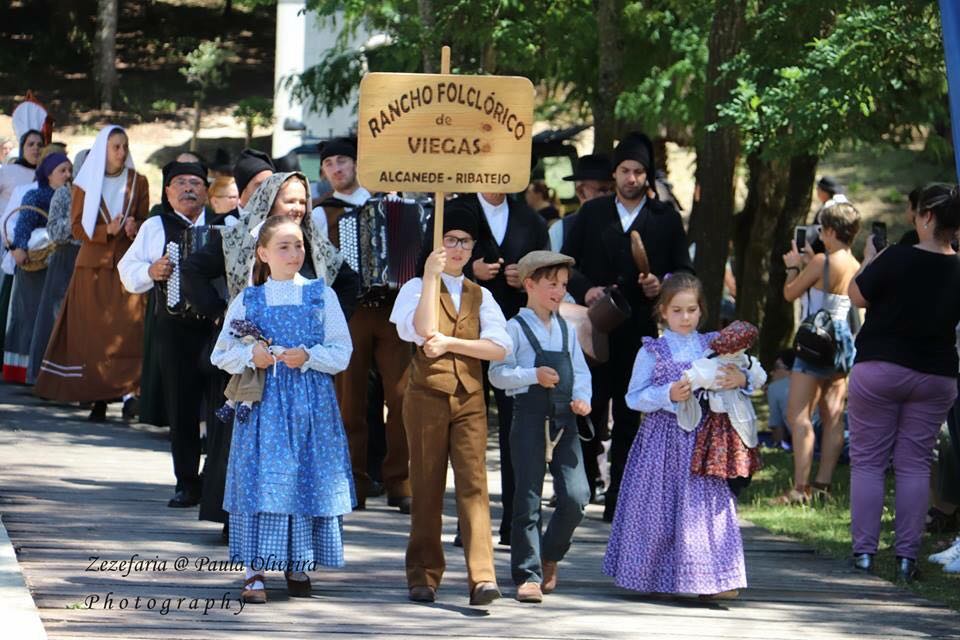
<point>253,596</point>
<point>529,592</point>
<point>549,576</point>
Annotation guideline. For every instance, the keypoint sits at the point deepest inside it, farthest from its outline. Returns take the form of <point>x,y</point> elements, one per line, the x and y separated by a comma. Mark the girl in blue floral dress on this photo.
<point>674,532</point>
<point>289,480</point>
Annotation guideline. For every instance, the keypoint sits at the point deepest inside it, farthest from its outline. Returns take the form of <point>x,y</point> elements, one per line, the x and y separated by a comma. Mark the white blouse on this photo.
<point>493,326</point>
<point>332,356</point>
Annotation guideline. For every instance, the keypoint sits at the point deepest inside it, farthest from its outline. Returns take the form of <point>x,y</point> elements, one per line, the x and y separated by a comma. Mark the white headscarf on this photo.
<point>29,116</point>
<point>90,177</point>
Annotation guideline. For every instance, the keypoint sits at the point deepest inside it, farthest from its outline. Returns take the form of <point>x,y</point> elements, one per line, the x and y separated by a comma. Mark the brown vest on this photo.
<point>450,370</point>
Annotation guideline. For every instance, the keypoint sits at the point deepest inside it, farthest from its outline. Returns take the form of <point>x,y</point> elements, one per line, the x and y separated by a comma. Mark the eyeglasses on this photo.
<point>452,242</point>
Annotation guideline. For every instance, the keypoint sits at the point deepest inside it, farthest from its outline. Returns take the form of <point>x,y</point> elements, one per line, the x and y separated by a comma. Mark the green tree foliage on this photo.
<point>255,112</point>
<point>205,70</point>
<point>869,71</point>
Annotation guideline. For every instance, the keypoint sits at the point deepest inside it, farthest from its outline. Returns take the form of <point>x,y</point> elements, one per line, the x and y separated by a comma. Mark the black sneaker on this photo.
<point>131,409</point>
<point>98,413</point>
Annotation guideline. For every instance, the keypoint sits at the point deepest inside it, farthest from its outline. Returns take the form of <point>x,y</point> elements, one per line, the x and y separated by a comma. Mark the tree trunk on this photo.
<point>754,230</point>
<point>249,132</point>
<point>196,125</point>
<point>717,159</point>
<point>425,9</point>
<point>106,67</point>
<point>610,74</point>
<point>778,317</point>
<point>228,8</point>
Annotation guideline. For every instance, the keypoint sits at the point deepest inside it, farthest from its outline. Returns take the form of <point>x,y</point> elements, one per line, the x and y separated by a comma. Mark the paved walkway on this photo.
<point>71,491</point>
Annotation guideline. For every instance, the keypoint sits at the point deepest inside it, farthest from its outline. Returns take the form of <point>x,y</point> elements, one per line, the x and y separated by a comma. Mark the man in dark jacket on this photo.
<point>600,243</point>
<point>509,230</point>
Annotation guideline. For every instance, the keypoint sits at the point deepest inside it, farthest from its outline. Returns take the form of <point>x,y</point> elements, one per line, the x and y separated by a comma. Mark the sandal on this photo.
<point>254,596</point>
<point>796,495</point>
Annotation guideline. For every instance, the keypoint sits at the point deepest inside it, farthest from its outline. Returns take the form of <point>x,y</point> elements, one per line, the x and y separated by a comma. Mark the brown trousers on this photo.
<point>375,338</point>
<point>441,426</point>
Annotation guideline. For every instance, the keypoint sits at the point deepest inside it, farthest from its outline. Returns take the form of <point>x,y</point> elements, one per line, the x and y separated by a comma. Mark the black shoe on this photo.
<point>504,539</point>
<point>131,409</point>
<point>863,562</point>
<point>457,542</point>
<point>360,506</point>
<point>375,490</point>
<point>98,413</point>
<point>906,570</point>
<point>225,534</point>
<point>183,499</point>
<point>401,502</point>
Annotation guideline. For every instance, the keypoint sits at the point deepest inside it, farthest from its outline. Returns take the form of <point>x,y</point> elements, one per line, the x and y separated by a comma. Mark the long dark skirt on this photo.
<point>6,289</point>
<point>24,302</point>
<point>152,408</point>
<point>219,435</point>
<point>59,272</point>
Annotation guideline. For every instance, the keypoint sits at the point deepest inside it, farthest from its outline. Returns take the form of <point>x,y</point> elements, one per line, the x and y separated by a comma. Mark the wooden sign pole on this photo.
<point>439,199</point>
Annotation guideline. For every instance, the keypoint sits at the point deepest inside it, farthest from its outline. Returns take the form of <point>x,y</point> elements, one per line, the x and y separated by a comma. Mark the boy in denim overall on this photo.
<point>549,380</point>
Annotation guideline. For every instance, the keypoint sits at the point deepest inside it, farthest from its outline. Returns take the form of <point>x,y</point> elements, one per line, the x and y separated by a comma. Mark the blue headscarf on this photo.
<point>47,165</point>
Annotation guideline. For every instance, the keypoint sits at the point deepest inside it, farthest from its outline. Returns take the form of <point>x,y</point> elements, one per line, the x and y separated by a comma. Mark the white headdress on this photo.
<point>90,177</point>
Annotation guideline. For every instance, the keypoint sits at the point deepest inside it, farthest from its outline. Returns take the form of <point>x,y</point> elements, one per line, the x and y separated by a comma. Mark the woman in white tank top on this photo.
<point>821,284</point>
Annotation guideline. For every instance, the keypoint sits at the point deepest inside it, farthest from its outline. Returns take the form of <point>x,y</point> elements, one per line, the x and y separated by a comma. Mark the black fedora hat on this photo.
<point>595,166</point>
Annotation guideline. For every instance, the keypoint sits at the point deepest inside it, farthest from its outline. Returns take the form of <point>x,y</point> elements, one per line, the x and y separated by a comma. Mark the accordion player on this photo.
<point>382,241</point>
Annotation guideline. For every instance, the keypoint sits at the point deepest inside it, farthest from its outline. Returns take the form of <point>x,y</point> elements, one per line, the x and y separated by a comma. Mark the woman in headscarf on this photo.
<point>59,270</point>
<point>280,194</point>
<point>54,171</point>
<point>96,348</point>
<point>33,128</point>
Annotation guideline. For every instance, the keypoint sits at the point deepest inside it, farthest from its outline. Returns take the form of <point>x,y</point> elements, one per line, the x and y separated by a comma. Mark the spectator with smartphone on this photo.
<point>821,284</point>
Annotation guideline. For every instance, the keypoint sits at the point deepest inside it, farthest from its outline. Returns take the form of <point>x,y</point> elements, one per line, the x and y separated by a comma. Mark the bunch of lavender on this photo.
<point>248,333</point>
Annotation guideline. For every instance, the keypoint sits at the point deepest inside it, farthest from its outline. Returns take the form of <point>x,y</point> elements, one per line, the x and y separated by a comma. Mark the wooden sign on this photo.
<point>444,133</point>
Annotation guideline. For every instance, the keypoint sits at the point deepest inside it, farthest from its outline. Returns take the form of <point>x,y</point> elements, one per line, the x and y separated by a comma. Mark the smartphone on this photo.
<point>800,237</point>
<point>879,231</point>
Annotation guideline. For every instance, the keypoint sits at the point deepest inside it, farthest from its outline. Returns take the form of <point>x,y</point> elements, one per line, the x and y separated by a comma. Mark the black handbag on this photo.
<point>816,339</point>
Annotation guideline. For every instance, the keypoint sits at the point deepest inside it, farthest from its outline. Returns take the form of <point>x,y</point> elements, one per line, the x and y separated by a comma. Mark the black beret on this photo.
<point>250,163</point>
<point>338,147</point>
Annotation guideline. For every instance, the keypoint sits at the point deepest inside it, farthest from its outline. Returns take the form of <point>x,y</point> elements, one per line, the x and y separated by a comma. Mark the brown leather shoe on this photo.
<point>298,588</point>
<point>423,593</point>
<point>732,594</point>
<point>549,576</point>
<point>529,592</point>
<point>253,596</point>
<point>484,593</point>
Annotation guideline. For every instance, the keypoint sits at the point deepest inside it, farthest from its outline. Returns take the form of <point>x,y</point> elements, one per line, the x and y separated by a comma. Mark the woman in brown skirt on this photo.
<point>96,348</point>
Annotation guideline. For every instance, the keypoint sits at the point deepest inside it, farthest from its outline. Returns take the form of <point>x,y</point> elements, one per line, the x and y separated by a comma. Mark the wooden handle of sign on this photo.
<point>438,197</point>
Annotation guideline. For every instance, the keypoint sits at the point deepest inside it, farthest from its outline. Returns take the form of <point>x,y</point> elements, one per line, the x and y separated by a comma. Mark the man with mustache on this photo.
<point>180,338</point>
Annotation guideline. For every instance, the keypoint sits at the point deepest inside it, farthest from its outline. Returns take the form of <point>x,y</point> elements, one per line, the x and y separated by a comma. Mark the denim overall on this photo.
<point>527,443</point>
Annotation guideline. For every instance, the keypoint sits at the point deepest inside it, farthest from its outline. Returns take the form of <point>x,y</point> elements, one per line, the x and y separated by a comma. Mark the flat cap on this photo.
<point>539,259</point>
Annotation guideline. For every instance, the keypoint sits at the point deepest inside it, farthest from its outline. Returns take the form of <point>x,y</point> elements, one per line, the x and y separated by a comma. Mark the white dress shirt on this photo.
<point>516,373</point>
<point>493,326</point>
<point>496,216</point>
<point>627,216</point>
<point>331,356</point>
<point>148,247</point>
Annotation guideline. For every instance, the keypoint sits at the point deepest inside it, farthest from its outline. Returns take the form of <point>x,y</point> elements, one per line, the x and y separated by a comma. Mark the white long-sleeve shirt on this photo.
<point>331,356</point>
<point>493,326</point>
<point>148,247</point>
<point>516,373</point>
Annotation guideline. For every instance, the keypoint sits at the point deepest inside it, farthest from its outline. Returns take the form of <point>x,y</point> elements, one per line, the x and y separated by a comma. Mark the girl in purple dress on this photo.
<point>674,532</point>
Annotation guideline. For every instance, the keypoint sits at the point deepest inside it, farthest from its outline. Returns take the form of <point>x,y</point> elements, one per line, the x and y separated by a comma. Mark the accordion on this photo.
<point>171,294</point>
<point>382,241</point>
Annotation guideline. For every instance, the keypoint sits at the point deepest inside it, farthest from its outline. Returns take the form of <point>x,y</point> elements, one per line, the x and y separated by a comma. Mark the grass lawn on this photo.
<point>827,527</point>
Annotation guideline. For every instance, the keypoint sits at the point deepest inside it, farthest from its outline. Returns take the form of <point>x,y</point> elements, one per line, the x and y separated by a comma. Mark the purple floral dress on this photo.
<point>673,532</point>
